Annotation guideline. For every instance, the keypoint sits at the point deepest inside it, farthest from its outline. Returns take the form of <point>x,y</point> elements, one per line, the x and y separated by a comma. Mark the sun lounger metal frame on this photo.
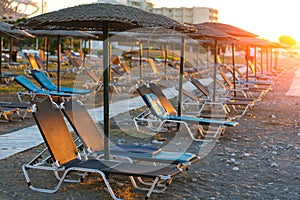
<point>157,113</point>
<point>37,94</point>
<point>65,158</point>
<point>21,106</point>
<point>92,137</point>
<point>239,104</point>
<point>5,112</point>
<point>46,83</point>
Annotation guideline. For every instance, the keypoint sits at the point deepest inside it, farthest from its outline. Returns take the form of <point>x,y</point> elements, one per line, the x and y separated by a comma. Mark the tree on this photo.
<point>287,40</point>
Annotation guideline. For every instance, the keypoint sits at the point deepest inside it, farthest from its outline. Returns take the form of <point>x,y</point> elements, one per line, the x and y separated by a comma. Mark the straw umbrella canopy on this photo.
<point>59,34</point>
<point>233,31</point>
<point>102,17</point>
<point>230,29</point>
<point>213,35</point>
<point>6,31</point>
<point>257,42</point>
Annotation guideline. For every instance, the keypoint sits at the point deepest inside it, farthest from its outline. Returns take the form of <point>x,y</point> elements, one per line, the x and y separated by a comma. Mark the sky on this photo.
<point>267,18</point>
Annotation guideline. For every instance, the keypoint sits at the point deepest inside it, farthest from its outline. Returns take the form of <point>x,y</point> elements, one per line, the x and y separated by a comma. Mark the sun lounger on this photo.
<point>241,79</point>
<point>93,138</point>
<point>46,83</point>
<point>240,104</point>
<point>254,91</point>
<point>155,72</point>
<point>65,158</point>
<point>37,94</point>
<point>24,106</point>
<point>160,114</point>
<point>6,112</point>
<point>96,82</point>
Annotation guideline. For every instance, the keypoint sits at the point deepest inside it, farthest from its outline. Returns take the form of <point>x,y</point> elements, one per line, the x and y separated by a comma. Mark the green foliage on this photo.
<point>287,40</point>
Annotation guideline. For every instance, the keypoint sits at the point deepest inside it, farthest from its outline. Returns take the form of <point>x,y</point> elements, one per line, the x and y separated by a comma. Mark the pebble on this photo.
<point>274,165</point>
<point>157,142</point>
<point>274,153</point>
<point>233,154</point>
<point>246,154</point>
<point>121,141</point>
<point>235,169</point>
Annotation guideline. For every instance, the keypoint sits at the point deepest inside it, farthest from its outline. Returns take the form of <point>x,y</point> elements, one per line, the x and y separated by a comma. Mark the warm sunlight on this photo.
<point>268,19</point>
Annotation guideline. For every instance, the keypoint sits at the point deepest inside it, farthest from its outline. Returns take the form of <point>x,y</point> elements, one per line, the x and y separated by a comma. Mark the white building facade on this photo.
<point>143,4</point>
<point>192,15</point>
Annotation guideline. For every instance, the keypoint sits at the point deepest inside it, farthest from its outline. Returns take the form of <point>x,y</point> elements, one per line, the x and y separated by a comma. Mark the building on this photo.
<point>192,15</point>
<point>143,4</point>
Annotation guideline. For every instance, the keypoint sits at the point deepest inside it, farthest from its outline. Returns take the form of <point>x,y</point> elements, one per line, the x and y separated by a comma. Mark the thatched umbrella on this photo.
<point>6,31</point>
<point>207,32</point>
<point>233,31</point>
<point>59,34</point>
<point>255,42</point>
<point>101,17</point>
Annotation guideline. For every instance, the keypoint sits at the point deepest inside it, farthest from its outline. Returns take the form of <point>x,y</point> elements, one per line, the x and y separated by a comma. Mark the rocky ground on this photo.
<point>258,159</point>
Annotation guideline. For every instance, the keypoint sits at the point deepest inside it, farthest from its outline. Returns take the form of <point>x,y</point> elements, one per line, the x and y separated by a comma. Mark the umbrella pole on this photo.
<point>47,53</point>
<point>276,58</point>
<point>261,61</point>
<point>10,50</point>
<point>58,63</point>
<point>166,58</point>
<point>255,62</point>
<point>183,43</point>
<point>233,66</point>
<point>207,56</point>
<point>198,52</point>
<point>141,53</point>
<point>267,59</point>
<point>247,61</point>
<point>106,79</point>
<point>1,45</point>
<point>271,59</point>
<point>215,70</point>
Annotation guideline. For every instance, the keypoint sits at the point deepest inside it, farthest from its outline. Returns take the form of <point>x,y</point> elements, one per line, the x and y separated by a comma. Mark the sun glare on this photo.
<point>268,19</point>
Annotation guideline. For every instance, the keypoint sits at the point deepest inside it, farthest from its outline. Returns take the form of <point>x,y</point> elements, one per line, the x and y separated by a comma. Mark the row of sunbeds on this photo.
<point>84,153</point>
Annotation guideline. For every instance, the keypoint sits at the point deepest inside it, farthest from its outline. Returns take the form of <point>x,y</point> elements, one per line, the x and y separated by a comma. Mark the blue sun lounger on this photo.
<point>36,92</point>
<point>164,113</point>
<point>46,83</point>
<point>93,139</point>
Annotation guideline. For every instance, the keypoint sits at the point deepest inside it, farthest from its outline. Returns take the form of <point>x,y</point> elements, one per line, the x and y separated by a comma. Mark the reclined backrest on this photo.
<point>152,65</point>
<point>33,62</point>
<point>55,132</point>
<point>93,76</point>
<point>26,83</point>
<point>40,63</point>
<point>82,122</point>
<point>151,100</point>
<point>125,67</point>
<point>163,99</point>
<point>230,69</point>
<point>155,105</point>
<point>200,87</point>
<point>43,80</point>
<point>226,79</point>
